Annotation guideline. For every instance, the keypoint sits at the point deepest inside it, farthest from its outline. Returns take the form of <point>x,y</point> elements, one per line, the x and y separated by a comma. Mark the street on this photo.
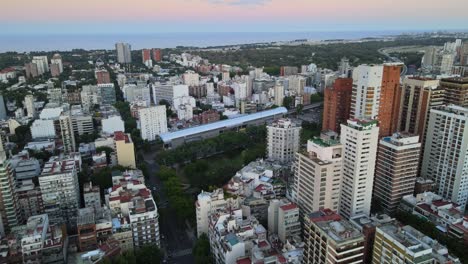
<point>176,240</point>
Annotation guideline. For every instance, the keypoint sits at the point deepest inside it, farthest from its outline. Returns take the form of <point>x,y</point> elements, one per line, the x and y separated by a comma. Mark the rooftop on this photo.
<point>57,167</point>
<point>121,136</point>
<point>407,236</point>
<point>362,124</point>
<point>324,143</point>
<point>458,80</point>
<point>228,123</point>
<point>331,223</point>
<point>288,207</point>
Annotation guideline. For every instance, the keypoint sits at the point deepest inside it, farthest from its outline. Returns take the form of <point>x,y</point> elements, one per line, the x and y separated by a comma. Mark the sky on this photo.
<point>153,16</point>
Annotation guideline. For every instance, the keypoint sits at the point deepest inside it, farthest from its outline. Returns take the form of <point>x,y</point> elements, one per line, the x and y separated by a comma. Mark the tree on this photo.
<point>299,109</point>
<point>201,251</point>
<point>146,146</point>
<point>288,102</point>
<point>315,98</point>
<point>148,254</point>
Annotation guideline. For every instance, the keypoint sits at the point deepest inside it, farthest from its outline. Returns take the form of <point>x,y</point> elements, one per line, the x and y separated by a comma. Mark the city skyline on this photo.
<point>119,16</point>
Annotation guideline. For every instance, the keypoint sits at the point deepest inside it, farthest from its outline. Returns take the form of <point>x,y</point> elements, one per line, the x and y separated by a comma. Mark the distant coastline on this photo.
<point>67,42</point>
<point>40,42</point>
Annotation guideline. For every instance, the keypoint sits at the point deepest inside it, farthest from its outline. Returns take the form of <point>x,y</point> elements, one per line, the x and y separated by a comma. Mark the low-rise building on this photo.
<point>407,245</point>
<point>133,201</point>
<point>208,203</point>
<point>446,215</point>
<point>283,220</point>
<point>94,226</point>
<point>37,242</point>
<point>259,178</point>
<point>367,226</point>
<point>92,195</point>
<point>232,237</point>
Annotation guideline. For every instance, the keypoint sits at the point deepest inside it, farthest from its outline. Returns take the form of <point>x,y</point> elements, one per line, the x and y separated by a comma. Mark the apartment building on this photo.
<point>396,169</point>
<point>318,174</point>
<point>446,152</point>
<point>283,138</point>
<point>330,239</point>
<point>359,139</point>
<point>60,191</point>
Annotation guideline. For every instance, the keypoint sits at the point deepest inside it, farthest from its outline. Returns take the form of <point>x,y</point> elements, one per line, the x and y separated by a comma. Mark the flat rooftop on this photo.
<point>407,236</point>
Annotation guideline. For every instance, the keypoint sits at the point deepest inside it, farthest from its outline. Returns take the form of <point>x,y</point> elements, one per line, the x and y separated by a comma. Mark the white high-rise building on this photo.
<point>124,52</point>
<point>153,122</point>
<point>318,174</point>
<point>359,139</point>
<point>42,64</point>
<point>446,152</point>
<point>344,67</point>
<point>283,138</point>
<point>279,94</point>
<point>240,91</point>
<point>29,105</point>
<point>367,83</point>
<point>60,190</point>
<point>296,84</point>
<point>57,59</point>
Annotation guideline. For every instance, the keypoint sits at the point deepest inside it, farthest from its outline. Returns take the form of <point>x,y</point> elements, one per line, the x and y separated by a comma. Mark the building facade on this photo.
<point>125,149</point>
<point>337,104</point>
<point>153,122</point>
<point>389,99</point>
<point>283,138</point>
<point>456,91</point>
<point>330,239</point>
<point>396,169</point>
<point>359,139</point>
<point>60,191</point>
<point>367,85</point>
<point>317,174</point>
<point>446,152</point>
<point>124,54</point>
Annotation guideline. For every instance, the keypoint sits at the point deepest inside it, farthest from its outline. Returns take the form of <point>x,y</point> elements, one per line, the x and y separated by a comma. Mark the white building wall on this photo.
<point>360,150</point>
<point>367,82</point>
<point>283,139</point>
<point>445,158</point>
<point>153,122</point>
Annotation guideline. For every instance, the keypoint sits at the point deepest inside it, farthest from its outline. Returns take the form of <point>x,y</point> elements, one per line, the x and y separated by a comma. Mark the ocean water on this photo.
<point>64,42</point>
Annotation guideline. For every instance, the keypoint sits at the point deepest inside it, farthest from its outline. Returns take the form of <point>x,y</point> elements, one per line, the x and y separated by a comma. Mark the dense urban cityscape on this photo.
<point>297,151</point>
<point>160,155</point>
